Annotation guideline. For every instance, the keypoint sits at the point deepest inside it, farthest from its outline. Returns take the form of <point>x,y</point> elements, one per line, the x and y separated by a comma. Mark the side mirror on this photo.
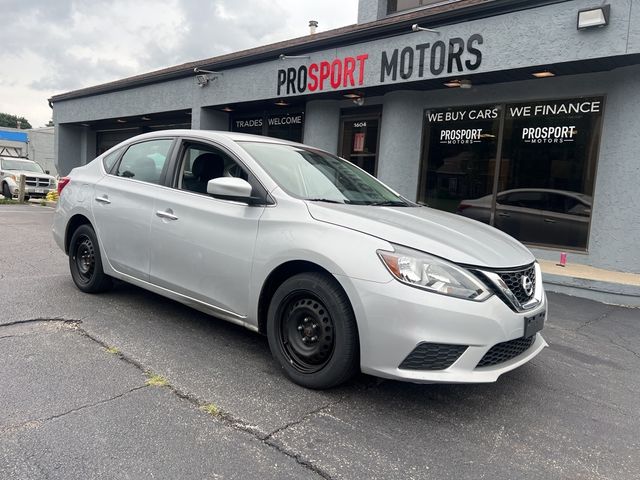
<point>231,188</point>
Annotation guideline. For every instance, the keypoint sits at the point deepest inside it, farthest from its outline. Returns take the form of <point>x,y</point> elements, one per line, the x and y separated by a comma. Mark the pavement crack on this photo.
<point>595,320</point>
<point>304,417</point>
<point>40,421</point>
<point>298,458</point>
<point>38,320</point>
<point>223,417</point>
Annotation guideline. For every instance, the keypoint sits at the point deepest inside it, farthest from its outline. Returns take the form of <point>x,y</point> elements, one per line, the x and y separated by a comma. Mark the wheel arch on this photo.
<point>74,223</point>
<point>277,276</point>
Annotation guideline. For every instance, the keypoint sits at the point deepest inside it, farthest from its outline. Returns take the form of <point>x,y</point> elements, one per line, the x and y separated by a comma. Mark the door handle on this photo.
<point>549,220</point>
<point>168,214</point>
<point>503,214</point>
<point>103,199</point>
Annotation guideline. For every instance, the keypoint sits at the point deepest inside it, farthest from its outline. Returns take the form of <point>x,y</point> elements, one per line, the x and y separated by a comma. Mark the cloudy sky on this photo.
<point>54,46</point>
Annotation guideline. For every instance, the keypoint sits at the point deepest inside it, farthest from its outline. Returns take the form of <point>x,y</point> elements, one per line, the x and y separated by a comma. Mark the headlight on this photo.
<point>433,274</point>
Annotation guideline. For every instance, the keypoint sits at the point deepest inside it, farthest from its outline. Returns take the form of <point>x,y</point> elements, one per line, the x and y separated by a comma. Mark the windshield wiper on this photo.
<point>326,200</point>
<point>389,203</point>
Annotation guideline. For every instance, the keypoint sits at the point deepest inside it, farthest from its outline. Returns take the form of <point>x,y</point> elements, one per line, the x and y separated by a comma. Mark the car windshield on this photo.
<point>312,175</point>
<point>21,165</point>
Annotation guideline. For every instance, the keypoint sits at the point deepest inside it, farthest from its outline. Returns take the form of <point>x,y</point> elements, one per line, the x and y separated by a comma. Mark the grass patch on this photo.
<point>211,409</point>
<point>156,380</point>
<point>112,350</point>
<point>7,201</point>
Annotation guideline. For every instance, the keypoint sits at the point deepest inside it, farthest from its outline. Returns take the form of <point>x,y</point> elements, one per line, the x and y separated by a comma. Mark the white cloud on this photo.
<point>56,46</point>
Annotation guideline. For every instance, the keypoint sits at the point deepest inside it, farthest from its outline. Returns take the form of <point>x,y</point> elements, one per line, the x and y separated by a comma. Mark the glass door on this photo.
<point>359,140</point>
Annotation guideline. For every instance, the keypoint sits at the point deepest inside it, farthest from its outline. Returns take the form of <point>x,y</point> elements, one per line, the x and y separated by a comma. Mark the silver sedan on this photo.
<point>341,273</point>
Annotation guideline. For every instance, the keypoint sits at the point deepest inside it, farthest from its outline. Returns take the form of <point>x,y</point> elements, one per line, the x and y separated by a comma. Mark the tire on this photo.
<point>312,331</point>
<point>6,192</point>
<point>85,261</point>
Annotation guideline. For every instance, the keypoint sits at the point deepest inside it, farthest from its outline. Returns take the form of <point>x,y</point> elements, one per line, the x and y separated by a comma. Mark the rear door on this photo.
<point>201,246</point>
<point>123,205</point>
<point>520,214</point>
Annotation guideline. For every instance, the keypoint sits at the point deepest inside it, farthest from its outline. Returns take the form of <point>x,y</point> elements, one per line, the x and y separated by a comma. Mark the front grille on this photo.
<point>513,279</point>
<point>432,356</point>
<point>506,351</point>
<point>36,182</point>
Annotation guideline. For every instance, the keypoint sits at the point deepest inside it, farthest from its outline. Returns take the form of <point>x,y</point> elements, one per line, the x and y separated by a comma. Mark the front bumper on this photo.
<point>394,318</point>
<point>30,191</point>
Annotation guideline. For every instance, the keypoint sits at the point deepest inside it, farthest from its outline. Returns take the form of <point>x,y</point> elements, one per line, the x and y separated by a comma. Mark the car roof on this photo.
<point>214,135</point>
<point>582,196</point>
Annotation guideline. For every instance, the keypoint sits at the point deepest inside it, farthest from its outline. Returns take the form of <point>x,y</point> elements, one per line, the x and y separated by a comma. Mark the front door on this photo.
<point>203,247</point>
<point>359,141</point>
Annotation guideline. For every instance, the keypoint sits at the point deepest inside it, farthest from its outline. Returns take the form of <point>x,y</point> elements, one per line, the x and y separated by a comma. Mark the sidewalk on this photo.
<point>607,286</point>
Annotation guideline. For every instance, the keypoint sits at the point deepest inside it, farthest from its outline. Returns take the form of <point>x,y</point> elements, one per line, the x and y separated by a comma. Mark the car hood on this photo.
<point>27,173</point>
<point>443,234</point>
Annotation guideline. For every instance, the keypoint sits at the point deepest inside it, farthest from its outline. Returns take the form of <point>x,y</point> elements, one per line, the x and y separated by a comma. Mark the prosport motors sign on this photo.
<point>415,62</point>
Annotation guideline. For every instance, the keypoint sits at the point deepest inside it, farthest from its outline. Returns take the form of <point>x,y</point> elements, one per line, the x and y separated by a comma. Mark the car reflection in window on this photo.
<point>537,216</point>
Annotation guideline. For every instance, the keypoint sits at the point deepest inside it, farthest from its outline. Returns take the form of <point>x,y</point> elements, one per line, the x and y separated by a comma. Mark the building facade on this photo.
<point>521,114</point>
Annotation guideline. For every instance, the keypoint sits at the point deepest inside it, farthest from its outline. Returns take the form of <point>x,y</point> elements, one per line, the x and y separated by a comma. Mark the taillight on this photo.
<point>63,182</point>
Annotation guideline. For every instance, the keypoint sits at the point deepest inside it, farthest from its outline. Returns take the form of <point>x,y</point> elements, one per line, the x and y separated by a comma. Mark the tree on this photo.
<point>8,120</point>
<point>50,124</point>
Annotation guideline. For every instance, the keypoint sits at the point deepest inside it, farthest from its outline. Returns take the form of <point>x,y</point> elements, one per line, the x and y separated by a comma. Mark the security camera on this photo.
<point>202,80</point>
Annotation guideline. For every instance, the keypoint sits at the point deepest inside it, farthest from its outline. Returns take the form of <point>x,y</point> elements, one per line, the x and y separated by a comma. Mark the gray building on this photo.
<point>36,144</point>
<point>522,114</point>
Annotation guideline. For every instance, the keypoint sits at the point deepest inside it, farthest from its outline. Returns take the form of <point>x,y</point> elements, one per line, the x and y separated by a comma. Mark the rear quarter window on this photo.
<point>108,161</point>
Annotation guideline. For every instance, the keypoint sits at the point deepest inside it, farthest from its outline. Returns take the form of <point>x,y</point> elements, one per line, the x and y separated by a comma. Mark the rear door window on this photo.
<point>146,161</point>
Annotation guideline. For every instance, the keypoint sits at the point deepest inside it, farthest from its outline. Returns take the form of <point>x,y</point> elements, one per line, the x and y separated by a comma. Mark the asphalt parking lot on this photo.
<point>75,398</point>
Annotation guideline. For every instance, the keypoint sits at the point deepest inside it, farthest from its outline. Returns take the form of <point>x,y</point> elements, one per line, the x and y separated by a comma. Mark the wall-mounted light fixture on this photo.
<point>544,74</point>
<point>459,84</point>
<point>417,28</point>
<point>227,109</point>
<point>282,56</point>
<point>282,103</point>
<point>358,101</point>
<point>203,78</point>
<point>353,95</point>
<point>594,17</point>
<point>145,118</point>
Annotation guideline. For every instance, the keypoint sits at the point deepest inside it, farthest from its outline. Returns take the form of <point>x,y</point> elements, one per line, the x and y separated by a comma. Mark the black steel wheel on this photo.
<point>85,261</point>
<point>312,331</point>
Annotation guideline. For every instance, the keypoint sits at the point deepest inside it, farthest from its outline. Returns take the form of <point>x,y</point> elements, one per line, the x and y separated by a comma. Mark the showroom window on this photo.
<point>532,178</point>
<point>286,125</point>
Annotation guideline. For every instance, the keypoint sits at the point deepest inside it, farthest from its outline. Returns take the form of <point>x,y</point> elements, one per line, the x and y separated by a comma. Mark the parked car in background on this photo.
<point>38,183</point>
<point>338,271</point>
<point>536,215</point>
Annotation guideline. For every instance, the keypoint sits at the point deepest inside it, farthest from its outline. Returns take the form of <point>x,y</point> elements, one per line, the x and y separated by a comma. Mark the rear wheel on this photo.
<point>85,261</point>
<point>312,331</point>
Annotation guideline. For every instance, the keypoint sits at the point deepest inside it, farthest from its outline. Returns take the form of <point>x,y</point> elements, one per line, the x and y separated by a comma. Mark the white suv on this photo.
<point>38,183</point>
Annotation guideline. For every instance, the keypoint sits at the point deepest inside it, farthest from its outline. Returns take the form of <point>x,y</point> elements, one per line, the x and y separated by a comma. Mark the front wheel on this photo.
<point>6,192</point>
<point>85,261</point>
<point>312,331</point>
